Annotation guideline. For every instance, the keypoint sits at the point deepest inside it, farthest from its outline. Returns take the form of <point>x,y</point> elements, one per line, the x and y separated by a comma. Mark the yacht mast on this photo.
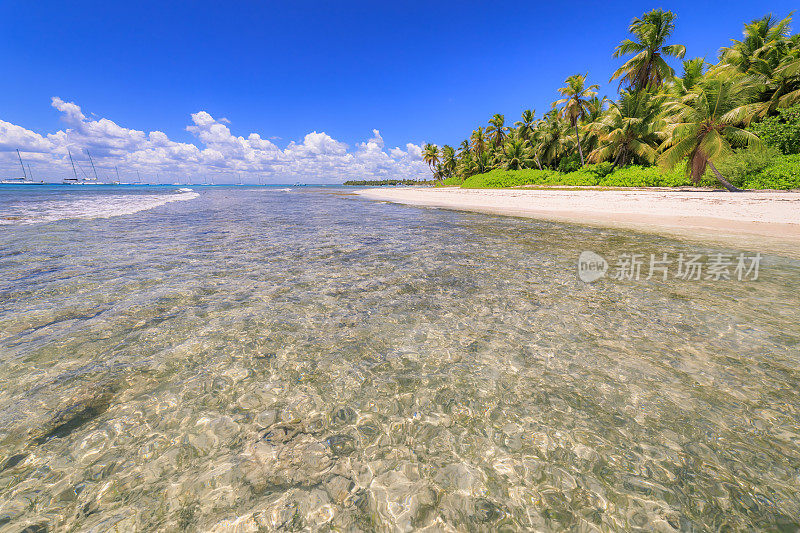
<point>92,162</point>
<point>73,164</point>
<point>22,164</point>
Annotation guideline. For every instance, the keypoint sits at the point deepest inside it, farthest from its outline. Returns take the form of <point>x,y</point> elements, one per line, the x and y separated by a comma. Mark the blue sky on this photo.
<point>415,71</point>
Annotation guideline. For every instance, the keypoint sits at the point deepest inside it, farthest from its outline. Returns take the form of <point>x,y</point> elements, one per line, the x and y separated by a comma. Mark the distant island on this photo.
<point>382,183</point>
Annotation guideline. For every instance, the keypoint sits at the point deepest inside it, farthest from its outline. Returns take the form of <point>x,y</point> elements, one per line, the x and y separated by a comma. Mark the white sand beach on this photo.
<point>761,220</point>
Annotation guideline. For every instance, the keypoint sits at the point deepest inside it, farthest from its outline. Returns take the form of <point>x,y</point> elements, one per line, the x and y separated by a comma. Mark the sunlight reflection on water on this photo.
<point>303,359</point>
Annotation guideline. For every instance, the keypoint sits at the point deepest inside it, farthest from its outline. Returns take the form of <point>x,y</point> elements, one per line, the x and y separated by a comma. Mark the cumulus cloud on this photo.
<point>218,152</point>
<point>13,137</point>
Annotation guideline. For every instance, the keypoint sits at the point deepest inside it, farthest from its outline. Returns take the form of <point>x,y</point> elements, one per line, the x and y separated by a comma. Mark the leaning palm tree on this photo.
<point>430,154</point>
<point>576,102</point>
<point>704,126</point>
<point>439,173</point>
<point>647,69</point>
<point>630,131</point>
<point>497,130</point>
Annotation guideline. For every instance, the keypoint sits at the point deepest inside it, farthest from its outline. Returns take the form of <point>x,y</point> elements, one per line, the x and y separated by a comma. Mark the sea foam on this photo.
<point>88,207</point>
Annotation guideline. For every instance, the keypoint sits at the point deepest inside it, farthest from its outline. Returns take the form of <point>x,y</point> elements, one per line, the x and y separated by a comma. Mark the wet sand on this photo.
<point>767,221</point>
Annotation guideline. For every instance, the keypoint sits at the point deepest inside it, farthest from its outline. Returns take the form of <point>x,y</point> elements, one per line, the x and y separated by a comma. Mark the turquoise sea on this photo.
<point>298,358</point>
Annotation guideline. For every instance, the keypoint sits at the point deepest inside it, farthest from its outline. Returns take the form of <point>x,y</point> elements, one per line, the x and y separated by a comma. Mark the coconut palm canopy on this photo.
<point>704,125</point>
<point>693,117</point>
<point>648,69</point>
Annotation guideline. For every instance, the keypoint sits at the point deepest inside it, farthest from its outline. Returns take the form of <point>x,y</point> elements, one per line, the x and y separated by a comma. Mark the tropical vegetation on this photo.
<point>387,182</point>
<point>694,126</point>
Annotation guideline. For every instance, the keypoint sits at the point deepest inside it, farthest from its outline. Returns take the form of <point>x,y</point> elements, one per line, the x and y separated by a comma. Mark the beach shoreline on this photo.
<point>767,221</point>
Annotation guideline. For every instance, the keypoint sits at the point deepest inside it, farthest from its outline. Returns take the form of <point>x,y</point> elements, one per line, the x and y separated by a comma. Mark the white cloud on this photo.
<point>14,137</point>
<point>218,152</point>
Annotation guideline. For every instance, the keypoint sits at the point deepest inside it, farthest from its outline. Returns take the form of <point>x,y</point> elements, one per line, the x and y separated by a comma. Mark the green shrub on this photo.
<point>498,178</point>
<point>640,176</point>
<point>452,181</point>
<point>582,177</point>
<point>781,131</point>
<point>782,173</point>
<point>569,163</point>
<point>745,164</point>
<point>749,169</point>
<point>602,169</point>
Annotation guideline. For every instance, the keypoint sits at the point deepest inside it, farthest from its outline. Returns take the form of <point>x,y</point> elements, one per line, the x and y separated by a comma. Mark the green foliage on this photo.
<point>749,169</point>
<point>742,165</point>
<point>685,123</point>
<point>569,163</point>
<point>380,183</point>
<point>640,176</point>
<point>452,181</point>
<point>602,169</point>
<point>578,178</point>
<point>782,173</point>
<point>781,131</point>
<point>499,179</point>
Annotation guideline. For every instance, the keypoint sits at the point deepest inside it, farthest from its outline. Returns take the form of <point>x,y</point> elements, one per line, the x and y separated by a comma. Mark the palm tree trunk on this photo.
<point>616,160</point>
<point>580,150</point>
<point>537,162</point>
<point>725,183</point>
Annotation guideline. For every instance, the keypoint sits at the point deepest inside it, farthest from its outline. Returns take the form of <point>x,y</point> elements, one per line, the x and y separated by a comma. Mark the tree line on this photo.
<point>694,118</point>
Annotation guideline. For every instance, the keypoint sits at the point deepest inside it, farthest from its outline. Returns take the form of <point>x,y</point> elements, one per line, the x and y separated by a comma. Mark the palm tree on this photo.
<point>789,71</point>
<point>630,130</point>
<point>497,130</point>
<point>764,54</point>
<point>549,140</point>
<point>439,173</point>
<point>517,155</point>
<point>483,163</point>
<point>648,69</point>
<point>465,165</point>
<point>525,126</point>
<point>704,126</point>
<point>478,141</point>
<point>595,109</point>
<point>576,104</point>
<point>463,148</point>
<point>762,38</point>
<point>430,154</point>
<point>693,70</point>
<point>448,160</point>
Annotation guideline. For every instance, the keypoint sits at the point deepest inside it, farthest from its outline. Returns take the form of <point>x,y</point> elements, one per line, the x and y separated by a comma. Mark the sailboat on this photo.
<point>26,180</point>
<point>81,181</point>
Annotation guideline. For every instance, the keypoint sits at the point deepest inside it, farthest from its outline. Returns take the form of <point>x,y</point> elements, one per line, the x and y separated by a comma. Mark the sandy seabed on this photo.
<point>762,220</point>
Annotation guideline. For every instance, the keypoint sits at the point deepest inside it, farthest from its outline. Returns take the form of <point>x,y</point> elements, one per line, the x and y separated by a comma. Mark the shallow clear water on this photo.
<point>303,359</point>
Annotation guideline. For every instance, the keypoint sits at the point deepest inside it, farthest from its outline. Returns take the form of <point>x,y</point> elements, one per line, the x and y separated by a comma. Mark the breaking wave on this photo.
<point>31,211</point>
